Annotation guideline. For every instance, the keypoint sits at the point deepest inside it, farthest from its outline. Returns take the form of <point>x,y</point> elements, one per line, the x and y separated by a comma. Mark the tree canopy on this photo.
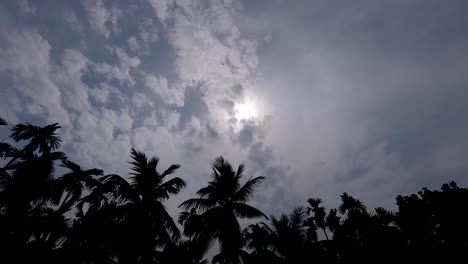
<point>86,216</point>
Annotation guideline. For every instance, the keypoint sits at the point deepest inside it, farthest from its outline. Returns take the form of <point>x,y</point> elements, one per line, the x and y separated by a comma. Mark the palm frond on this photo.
<point>170,170</point>
<point>172,186</point>
<point>119,188</point>
<point>246,191</point>
<point>183,216</point>
<point>57,155</point>
<point>139,162</point>
<point>42,138</point>
<point>223,167</point>
<point>314,202</point>
<point>167,221</point>
<point>246,211</point>
<point>197,203</point>
<point>206,191</point>
<point>350,203</point>
<point>240,171</point>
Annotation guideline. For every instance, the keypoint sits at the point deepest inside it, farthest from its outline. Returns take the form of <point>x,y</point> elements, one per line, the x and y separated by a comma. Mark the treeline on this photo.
<point>87,216</point>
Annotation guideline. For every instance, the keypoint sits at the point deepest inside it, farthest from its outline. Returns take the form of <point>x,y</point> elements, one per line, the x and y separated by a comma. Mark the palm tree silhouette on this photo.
<point>44,139</point>
<point>151,189</point>
<point>289,236</point>
<point>26,189</point>
<point>87,217</point>
<point>5,149</point>
<point>350,204</point>
<point>75,182</point>
<point>134,208</point>
<point>319,214</point>
<point>220,204</point>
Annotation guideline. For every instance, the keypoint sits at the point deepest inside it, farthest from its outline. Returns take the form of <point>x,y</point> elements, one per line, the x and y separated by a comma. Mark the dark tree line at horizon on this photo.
<point>86,216</point>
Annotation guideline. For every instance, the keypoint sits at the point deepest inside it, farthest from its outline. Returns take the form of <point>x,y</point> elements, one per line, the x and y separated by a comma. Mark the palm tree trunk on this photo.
<point>325,232</point>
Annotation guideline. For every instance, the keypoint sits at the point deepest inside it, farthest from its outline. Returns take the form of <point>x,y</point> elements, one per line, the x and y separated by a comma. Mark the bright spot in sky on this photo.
<point>244,110</point>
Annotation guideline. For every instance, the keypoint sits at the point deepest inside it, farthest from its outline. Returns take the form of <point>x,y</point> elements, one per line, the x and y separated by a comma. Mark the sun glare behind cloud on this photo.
<point>245,110</point>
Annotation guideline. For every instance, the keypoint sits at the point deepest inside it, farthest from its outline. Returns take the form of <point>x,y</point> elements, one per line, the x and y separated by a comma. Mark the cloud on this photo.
<point>121,71</point>
<point>160,86</point>
<point>347,97</point>
<point>133,45</point>
<point>72,19</point>
<point>162,8</point>
<point>148,30</point>
<point>101,19</point>
<point>25,56</point>
<point>359,105</point>
<point>26,7</point>
<point>74,65</point>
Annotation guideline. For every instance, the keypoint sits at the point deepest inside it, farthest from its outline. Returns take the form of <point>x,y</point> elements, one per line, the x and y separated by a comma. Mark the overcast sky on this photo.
<point>321,97</point>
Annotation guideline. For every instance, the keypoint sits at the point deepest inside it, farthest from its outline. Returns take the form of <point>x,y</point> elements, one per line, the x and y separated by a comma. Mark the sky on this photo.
<point>319,96</point>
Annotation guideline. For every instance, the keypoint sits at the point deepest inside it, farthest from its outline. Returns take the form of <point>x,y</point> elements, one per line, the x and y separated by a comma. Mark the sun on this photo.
<point>245,111</point>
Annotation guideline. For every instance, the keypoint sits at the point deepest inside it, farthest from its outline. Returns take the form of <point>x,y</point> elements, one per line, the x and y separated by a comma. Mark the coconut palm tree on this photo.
<point>289,236</point>
<point>259,238</point>
<point>151,189</point>
<point>220,204</point>
<point>136,206</point>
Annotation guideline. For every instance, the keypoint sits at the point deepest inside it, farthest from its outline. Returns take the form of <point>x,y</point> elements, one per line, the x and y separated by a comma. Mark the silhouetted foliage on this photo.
<point>85,216</point>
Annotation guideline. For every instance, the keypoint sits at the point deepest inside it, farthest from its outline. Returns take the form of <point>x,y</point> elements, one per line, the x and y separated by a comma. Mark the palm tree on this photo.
<point>289,235</point>
<point>26,188</point>
<point>333,220</point>
<point>260,240</point>
<point>152,190</point>
<point>220,204</point>
<point>351,205</point>
<point>43,139</point>
<point>384,217</point>
<point>5,148</point>
<point>181,252</point>
<point>147,225</point>
<point>319,214</point>
<point>75,182</point>
<point>137,208</point>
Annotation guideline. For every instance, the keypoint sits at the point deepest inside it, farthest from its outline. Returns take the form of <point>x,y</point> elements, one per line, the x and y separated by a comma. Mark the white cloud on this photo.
<point>169,95</point>
<point>141,99</point>
<point>148,31</point>
<point>25,55</point>
<point>340,93</point>
<point>162,8</point>
<point>74,91</point>
<point>102,137</point>
<point>132,44</point>
<point>101,19</point>
<point>122,71</point>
